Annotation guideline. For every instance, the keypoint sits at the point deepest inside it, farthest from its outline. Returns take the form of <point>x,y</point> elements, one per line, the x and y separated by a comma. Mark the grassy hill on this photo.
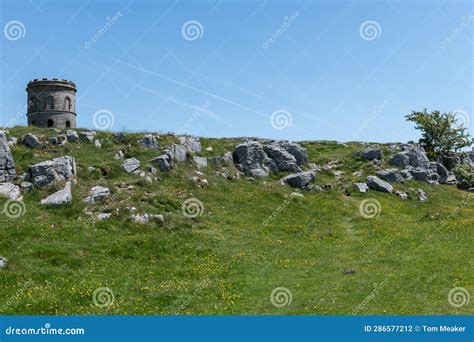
<point>251,238</point>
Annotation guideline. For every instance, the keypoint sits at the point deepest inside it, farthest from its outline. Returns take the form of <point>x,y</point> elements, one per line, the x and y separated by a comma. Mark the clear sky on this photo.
<point>338,70</point>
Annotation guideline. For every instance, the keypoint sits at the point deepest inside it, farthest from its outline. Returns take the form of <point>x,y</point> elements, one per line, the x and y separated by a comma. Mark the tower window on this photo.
<point>49,102</point>
<point>67,104</point>
<point>50,123</point>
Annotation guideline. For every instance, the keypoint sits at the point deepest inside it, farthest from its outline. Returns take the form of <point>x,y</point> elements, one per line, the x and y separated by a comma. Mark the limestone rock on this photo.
<point>119,155</point>
<point>253,159</point>
<point>371,153</point>
<point>103,216</point>
<point>192,144</point>
<point>60,197</point>
<point>10,190</point>
<point>26,186</point>
<point>401,194</point>
<point>7,165</point>
<point>164,162</point>
<point>97,143</point>
<point>149,141</point>
<point>391,175</point>
<point>422,197</point>
<point>200,161</point>
<point>72,136</point>
<point>283,160</point>
<point>177,152</point>
<point>221,160</point>
<point>299,180</point>
<point>31,140</point>
<point>376,183</point>
<point>3,262</point>
<point>87,136</point>
<point>296,150</point>
<point>97,194</point>
<point>49,172</point>
<point>130,165</point>
<point>361,187</point>
<point>464,185</point>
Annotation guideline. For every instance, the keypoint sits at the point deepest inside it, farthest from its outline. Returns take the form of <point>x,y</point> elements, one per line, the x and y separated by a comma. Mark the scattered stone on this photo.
<point>120,138</point>
<point>87,136</point>
<point>357,173</point>
<point>192,144</point>
<point>97,194</point>
<point>338,174</point>
<point>377,163</point>
<point>31,140</point>
<point>349,271</point>
<point>12,141</point>
<point>10,190</point>
<point>60,197</point>
<point>200,161</point>
<point>361,187</point>
<point>130,165</point>
<point>391,175</point>
<point>177,152</point>
<point>164,162</point>
<point>253,159</point>
<point>422,197</point>
<point>26,186</point>
<point>400,160</point>
<point>299,180</point>
<point>401,194</point>
<point>3,262</point>
<point>142,219</point>
<point>209,149</point>
<point>371,153</point>
<point>97,143</point>
<point>221,160</point>
<point>152,170</point>
<point>119,155</point>
<point>72,136</point>
<point>157,218</point>
<point>149,141</point>
<point>464,185</point>
<point>103,216</point>
<point>377,184</point>
<point>296,194</point>
<point>7,165</point>
<point>51,171</point>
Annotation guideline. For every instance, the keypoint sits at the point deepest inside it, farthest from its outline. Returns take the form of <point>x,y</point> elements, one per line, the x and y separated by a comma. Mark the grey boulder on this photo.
<point>299,180</point>
<point>130,165</point>
<point>192,144</point>
<point>361,187</point>
<point>51,171</point>
<point>164,162</point>
<point>378,184</point>
<point>283,160</point>
<point>31,140</point>
<point>149,141</point>
<point>7,165</point>
<point>10,191</point>
<point>60,197</point>
<point>371,153</point>
<point>97,194</point>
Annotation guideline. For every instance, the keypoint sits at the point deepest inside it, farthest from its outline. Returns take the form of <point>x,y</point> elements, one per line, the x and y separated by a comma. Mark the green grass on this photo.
<point>228,261</point>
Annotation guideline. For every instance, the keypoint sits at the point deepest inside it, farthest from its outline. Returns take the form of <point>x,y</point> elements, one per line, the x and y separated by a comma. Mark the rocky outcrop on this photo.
<point>7,165</point>
<point>49,172</point>
<point>60,197</point>
<point>221,160</point>
<point>257,160</point>
<point>299,180</point>
<point>378,184</point>
<point>371,153</point>
<point>72,136</point>
<point>284,161</point>
<point>149,141</point>
<point>87,136</point>
<point>200,161</point>
<point>192,144</point>
<point>177,152</point>
<point>164,162</point>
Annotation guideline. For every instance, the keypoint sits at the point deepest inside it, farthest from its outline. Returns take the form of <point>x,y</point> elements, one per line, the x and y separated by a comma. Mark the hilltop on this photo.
<point>173,230</point>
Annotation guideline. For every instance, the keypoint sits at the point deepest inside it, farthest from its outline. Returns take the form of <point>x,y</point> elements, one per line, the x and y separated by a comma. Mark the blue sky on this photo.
<point>338,70</point>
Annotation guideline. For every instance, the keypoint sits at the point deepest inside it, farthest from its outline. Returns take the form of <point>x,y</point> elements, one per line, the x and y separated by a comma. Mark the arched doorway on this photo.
<point>50,123</point>
<point>68,124</point>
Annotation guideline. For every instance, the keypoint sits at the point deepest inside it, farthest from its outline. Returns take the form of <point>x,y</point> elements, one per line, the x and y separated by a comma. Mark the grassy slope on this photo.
<point>227,261</point>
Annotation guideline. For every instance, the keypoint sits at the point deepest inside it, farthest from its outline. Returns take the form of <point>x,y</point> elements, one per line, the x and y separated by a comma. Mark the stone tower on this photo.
<point>51,103</point>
